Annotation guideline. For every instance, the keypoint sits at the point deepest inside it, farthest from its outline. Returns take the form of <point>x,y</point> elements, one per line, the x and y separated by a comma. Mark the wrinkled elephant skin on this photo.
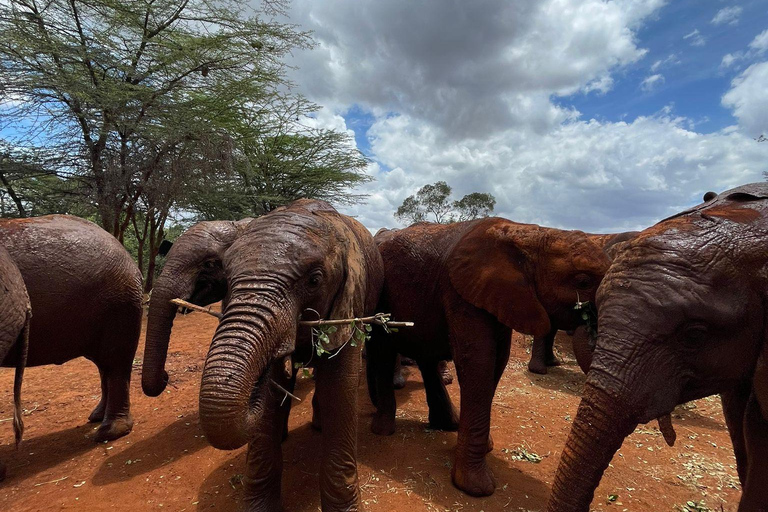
<point>15,313</point>
<point>304,260</point>
<point>85,293</point>
<point>467,285</point>
<point>683,315</point>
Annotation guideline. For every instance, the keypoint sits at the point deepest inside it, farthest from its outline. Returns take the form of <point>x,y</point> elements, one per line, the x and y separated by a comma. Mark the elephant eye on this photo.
<point>695,334</point>
<point>315,278</point>
<point>209,264</point>
<point>583,281</point>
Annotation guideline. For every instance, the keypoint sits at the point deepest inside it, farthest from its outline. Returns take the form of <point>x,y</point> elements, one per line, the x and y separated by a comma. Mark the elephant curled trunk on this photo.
<point>236,394</point>
<point>596,435</point>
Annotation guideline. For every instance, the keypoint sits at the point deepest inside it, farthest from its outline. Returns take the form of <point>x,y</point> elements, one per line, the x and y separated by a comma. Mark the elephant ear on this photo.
<point>487,267</point>
<point>350,299</point>
<point>760,378</point>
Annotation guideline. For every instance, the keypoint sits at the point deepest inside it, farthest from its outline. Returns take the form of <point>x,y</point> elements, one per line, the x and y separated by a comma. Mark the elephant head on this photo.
<point>527,276</point>
<point>193,272</point>
<point>683,315</point>
<point>303,260</point>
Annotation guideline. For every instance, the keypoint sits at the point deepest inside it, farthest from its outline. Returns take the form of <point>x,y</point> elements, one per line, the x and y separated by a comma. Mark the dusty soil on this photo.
<point>166,463</point>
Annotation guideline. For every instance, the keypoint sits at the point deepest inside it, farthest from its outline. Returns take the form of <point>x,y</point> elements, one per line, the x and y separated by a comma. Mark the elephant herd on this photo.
<point>682,313</point>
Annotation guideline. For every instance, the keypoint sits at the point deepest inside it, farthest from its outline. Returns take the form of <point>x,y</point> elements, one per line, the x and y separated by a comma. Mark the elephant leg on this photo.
<point>115,363</point>
<point>445,373</point>
<point>753,496</point>
<point>442,415</point>
<point>481,349</point>
<point>264,463</point>
<point>381,366</point>
<point>542,353</point>
<point>97,415</point>
<point>317,422</point>
<point>399,379</point>
<point>337,381</point>
<point>2,471</point>
<point>734,408</point>
<point>117,420</point>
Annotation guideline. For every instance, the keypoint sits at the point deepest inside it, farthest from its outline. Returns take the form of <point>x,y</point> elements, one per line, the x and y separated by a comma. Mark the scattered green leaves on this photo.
<point>588,316</point>
<point>694,506</point>
<point>522,454</point>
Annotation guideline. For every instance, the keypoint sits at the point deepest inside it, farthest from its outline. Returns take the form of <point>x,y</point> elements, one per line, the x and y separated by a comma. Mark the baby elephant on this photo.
<point>683,315</point>
<point>467,285</point>
<point>85,292</point>
<point>14,333</point>
<point>304,261</point>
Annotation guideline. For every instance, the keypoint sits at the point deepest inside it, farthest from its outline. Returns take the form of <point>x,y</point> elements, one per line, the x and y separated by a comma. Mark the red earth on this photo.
<point>166,463</point>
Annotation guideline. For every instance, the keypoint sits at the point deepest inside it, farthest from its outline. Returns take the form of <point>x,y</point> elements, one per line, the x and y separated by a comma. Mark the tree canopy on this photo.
<point>432,203</point>
<point>156,106</point>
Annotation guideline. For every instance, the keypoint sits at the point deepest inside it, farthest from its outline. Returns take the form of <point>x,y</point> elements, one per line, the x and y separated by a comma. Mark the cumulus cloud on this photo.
<point>590,175</point>
<point>748,98</point>
<point>695,38</point>
<point>727,15</point>
<point>471,69</point>
<point>476,95</point>
<point>652,82</point>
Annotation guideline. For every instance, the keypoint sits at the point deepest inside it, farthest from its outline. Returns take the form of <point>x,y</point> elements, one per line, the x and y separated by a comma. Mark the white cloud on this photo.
<point>471,70</point>
<point>729,15</point>
<point>696,39</point>
<point>748,98</point>
<point>652,82</point>
<point>671,60</point>
<point>757,47</point>
<point>760,43</point>
<point>585,174</point>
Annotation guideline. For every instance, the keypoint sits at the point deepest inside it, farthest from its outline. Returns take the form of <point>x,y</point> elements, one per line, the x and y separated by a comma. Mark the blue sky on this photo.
<point>589,114</point>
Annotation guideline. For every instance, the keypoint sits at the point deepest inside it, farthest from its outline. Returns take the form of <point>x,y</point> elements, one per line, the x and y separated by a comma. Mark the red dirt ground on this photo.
<point>166,463</point>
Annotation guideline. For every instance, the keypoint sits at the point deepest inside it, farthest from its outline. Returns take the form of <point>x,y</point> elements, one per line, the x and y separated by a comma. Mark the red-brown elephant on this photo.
<point>542,350</point>
<point>15,313</point>
<point>467,285</point>
<point>683,315</point>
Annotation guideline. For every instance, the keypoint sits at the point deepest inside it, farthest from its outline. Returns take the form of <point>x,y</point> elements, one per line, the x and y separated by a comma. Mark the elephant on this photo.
<point>467,285</point>
<point>14,334</point>
<point>193,271</point>
<point>683,315</point>
<point>304,261</point>
<point>85,294</point>
<point>400,377</point>
<point>542,350</point>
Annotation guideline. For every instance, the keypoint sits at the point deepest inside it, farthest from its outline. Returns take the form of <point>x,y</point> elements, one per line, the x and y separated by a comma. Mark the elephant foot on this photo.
<point>114,429</point>
<point>476,481</point>
<point>97,415</point>
<point>553,361</point>
<point>490,443</point>
<point>537,367</point>
<point>261,502</point>
<point>383,424</point>
<point>445,420</point>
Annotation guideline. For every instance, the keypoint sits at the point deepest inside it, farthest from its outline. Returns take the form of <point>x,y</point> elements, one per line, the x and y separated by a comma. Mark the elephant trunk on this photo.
<point>597,433</point>
<point>173,283</point>
<point>236,389</point>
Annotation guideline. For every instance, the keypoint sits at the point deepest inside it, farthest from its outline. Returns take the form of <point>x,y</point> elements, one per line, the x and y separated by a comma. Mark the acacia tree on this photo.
<point>102,76</point>
<point>432,202</point>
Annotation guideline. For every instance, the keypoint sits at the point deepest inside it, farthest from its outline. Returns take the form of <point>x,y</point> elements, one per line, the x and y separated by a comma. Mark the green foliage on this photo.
<point>432,202</point>
<point>588,316</point>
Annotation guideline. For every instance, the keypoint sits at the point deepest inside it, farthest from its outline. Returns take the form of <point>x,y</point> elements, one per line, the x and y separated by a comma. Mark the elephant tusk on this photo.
<point>667,430</point>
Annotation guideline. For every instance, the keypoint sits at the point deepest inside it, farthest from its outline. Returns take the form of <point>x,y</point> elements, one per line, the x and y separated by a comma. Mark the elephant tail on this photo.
<point>23,348</point>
